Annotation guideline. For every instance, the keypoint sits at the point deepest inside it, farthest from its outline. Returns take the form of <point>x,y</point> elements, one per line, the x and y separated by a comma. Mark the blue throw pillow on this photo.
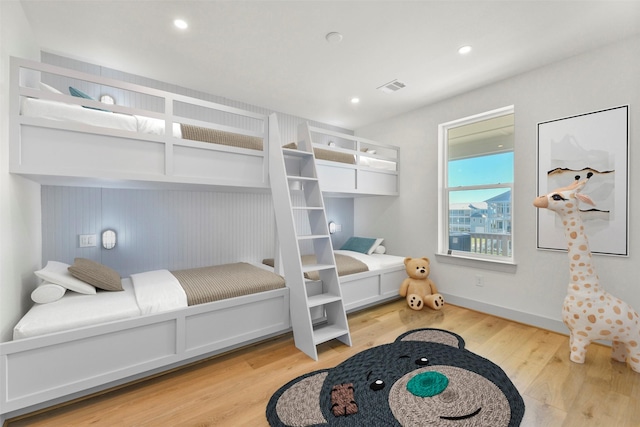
<point>358,244</point>
<point>80,94</point>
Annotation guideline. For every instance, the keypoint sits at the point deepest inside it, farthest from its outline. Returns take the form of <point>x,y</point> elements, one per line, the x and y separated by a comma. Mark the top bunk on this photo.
<point>65,131</point>
<point>148,138</point>
<point>348,165</point>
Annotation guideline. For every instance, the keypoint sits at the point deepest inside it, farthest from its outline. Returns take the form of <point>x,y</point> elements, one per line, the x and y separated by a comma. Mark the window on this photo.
<point>476,183</point>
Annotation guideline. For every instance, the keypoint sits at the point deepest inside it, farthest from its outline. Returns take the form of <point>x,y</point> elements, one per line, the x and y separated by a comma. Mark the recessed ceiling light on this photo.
<point>355,100</point>
<point>334,38</point>
<point>464,50</point>
<point>181,24</point>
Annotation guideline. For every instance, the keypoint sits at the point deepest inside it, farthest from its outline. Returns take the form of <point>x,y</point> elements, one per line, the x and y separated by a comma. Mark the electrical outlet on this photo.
<point>479,280</point>
<point>87,240</point>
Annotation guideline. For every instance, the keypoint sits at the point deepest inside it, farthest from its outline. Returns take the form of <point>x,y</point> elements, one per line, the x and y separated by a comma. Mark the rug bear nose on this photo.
<point>427,384</point>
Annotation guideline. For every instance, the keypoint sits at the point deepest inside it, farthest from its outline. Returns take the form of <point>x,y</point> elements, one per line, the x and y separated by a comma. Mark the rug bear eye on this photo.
<point>423,361</point>
<point>377,385</point>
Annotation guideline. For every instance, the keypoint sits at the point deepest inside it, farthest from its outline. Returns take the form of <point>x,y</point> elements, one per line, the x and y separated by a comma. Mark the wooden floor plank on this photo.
<point>233,389</point>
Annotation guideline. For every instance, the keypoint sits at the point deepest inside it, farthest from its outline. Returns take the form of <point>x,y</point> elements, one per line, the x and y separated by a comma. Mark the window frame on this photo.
<point>443,193</point>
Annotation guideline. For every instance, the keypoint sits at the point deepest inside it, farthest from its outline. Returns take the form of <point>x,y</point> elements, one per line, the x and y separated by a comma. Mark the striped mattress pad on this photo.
<point>219,282</point>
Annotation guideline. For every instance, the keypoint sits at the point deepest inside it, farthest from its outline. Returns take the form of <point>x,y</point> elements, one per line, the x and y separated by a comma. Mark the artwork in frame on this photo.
<point>596,142</point>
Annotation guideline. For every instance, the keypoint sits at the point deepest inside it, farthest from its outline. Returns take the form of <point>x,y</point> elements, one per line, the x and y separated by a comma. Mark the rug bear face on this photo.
<point>424,378</point>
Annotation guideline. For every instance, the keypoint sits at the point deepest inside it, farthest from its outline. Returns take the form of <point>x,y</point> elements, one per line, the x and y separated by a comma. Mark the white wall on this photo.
<point>19,198</point>
<point>603,78</point>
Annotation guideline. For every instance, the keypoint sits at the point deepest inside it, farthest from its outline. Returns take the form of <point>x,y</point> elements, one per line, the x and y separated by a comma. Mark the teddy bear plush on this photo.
<point>418,288</point>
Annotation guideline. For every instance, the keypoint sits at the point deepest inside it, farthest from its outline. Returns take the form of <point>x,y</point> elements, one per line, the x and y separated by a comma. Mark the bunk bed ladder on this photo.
<point>317,308</point>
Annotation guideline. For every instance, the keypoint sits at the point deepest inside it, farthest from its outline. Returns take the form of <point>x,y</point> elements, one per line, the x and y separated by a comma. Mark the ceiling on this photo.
<point>274,54</point>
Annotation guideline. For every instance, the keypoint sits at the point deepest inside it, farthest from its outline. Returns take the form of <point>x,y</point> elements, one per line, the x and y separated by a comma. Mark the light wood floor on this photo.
<point>233,389</point>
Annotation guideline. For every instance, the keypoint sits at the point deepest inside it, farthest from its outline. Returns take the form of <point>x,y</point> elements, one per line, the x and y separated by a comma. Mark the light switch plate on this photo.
<point>87,240</point>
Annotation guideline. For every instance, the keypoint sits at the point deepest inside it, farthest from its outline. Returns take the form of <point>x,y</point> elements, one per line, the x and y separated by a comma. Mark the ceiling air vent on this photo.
<point>392,86</point>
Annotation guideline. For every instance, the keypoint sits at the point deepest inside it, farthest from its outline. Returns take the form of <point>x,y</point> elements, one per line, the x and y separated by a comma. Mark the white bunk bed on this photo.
<point>131,146</point>
<point>163,139</point>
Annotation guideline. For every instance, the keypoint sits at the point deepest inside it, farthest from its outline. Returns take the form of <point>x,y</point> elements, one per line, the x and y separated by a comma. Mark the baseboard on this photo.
<point>506,313</point>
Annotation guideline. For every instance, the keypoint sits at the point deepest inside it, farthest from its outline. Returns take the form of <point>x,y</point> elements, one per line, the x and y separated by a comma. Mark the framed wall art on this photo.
<point>595,142</point>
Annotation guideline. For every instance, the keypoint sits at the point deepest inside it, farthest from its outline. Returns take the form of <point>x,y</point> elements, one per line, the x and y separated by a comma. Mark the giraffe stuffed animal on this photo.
<point>589,311</point>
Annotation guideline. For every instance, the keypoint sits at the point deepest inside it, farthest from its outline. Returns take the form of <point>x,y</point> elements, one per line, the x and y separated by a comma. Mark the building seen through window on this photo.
<point>476,179</point>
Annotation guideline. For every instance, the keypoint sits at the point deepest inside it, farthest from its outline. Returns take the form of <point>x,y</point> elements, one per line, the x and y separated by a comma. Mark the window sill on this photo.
<point>486,264</point>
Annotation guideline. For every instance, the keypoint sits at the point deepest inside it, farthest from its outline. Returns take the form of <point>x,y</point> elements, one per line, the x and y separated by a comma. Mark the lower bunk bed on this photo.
<point>365,279</point>
<point>379,283</point>
<point>129,335</point>
<point>135,333</point>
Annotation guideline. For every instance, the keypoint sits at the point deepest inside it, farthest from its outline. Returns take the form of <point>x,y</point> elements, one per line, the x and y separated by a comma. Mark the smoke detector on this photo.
<point>392,86</point>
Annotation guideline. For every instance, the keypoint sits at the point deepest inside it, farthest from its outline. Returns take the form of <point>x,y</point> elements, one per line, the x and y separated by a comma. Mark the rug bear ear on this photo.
<point>301,396</point>
<point>433,335</point>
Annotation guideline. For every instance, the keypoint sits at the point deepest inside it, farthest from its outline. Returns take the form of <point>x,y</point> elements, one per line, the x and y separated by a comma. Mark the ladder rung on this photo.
<point>301,178</point>
<point>313,236</point>
<point>296,153</point>
<point>326,333</point>
<point>322,299</point>
<point>307,208</point>
<point>315,267</point>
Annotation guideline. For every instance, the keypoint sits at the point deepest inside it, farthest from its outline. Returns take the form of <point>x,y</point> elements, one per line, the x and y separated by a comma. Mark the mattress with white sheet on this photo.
<point>387,165</point>
<point>76,310</point>
<point>374,261</point>
<point>145,293</point>
<point>54,110</point>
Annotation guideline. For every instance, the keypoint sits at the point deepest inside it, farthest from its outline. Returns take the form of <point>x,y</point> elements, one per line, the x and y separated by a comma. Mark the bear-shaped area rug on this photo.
<point>425,378</point>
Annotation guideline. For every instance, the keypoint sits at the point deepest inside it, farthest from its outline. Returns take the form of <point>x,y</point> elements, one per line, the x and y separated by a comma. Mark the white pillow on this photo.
<point>58,273</point>
<point>47,292</point>
<point>44,86</point>
<point>380,250</point>
<point>374,246</point>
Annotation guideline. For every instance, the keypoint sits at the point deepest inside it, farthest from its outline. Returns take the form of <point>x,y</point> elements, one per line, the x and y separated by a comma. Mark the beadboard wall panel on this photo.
<point>158,229</point>
<point>168,229</point>
<point>68,212</point>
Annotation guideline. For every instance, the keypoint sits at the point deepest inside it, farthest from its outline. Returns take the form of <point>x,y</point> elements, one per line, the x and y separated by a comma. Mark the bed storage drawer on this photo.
<point>236,168</point>
<point>336,178</point>
<point>49,371</point>
<point>64,152</point>
<point>390,282</point>
<point>364,289</point>
<point>360,292</point>
<point>377,182</point>
<point>236,320</point>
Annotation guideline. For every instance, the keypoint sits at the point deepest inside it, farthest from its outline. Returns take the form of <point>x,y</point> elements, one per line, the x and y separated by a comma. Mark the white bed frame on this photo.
<point>46,370</point>
<point>341,179</point>
<point>42,371</point>
<point>369,288</point>
<point>96,156</point>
